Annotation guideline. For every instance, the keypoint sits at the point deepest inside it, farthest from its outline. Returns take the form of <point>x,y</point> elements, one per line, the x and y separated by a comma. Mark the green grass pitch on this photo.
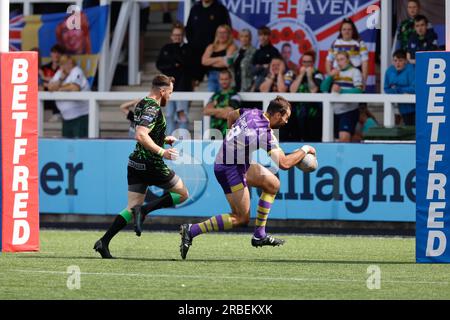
<point>220,266</point>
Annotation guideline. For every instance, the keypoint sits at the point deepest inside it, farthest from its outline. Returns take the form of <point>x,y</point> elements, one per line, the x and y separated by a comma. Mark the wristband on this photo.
<point>161,152</point>
<point>306,149</point>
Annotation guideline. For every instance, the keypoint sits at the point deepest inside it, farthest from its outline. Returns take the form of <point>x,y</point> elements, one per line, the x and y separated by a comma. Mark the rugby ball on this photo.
<point>308,164</point>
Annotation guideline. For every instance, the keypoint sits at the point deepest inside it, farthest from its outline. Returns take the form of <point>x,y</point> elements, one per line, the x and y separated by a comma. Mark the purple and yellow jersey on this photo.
<point>250,132</point>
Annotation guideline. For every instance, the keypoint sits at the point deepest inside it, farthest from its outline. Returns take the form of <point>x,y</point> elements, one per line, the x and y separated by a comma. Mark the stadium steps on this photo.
<point>112,122</point>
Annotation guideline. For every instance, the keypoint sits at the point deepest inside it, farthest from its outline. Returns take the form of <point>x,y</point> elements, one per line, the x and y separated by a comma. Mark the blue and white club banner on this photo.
<point>432,157</point>
<point>307,25</point>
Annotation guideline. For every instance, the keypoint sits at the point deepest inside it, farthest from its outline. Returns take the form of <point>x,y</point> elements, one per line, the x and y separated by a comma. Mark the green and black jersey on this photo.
<point>405,29</point>
<point>229,98</point>
<point>148,113</point>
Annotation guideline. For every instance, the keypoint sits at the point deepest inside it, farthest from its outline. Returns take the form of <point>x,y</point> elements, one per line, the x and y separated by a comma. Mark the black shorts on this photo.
<point>346,121</point>
<point>141,175</point>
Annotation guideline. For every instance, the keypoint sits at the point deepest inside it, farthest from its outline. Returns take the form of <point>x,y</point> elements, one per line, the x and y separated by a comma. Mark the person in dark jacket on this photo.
<point>406,27</point>
<point>264,55</point>
<point>423,39</point>
<point>204,19</point>
<point>173,61</point>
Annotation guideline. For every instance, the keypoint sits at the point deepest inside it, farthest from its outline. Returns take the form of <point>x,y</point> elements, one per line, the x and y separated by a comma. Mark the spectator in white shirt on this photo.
<point>349,41</point>
<point>70,77</point>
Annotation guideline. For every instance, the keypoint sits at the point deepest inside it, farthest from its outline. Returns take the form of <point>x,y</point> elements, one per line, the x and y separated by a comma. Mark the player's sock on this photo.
<point>264,205</point>
<point>119,223</point>
<point>167,200</point>
<point>218,223</point>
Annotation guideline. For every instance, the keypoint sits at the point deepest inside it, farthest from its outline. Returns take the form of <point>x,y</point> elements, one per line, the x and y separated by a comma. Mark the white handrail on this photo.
<point>327,100</point>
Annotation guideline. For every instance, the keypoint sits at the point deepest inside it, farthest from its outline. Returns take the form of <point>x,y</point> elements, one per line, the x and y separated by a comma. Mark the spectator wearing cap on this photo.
<point>70,77</point>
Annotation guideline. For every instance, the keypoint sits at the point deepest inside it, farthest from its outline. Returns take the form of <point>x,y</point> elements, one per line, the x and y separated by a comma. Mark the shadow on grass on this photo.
<point>226,260</point>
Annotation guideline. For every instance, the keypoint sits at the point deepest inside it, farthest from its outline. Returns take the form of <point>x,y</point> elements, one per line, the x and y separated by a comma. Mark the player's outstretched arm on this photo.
<point>147,142</point>
<point>126,106</point>
<point>285,162</point>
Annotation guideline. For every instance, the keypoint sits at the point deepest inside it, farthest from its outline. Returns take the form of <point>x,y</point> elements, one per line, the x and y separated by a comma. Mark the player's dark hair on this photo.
<point>421,17</point>
<point>58,48</point>
<point>355,33</point>
<point>286,44</point>
<point>279,104</point>
<point>399,54</point>
<point>161,80</point>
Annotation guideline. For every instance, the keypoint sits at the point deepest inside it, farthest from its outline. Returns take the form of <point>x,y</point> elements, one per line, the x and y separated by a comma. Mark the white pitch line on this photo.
<point>228,277</point>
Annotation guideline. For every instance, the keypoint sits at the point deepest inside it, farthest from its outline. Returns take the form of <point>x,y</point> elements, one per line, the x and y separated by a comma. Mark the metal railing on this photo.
<point>327,100</point>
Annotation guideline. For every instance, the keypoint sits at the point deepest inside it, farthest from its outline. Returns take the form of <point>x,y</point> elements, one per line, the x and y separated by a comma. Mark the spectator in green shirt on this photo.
<point>222,102</point>
<point>406,27</point>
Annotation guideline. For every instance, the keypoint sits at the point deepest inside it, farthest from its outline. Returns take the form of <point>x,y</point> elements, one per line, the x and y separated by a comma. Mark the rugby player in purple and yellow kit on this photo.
<point>251,129</point>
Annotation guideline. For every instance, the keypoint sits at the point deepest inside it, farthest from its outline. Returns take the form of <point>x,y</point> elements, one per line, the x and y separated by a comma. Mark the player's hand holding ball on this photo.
<point>309,162</point>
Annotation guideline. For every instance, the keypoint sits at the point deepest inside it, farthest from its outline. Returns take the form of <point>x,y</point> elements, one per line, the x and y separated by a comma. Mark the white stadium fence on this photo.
<point>387,100</point>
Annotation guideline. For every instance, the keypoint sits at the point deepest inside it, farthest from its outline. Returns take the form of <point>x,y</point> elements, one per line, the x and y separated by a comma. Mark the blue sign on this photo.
<point>433,154</point>
<point>353,182</point>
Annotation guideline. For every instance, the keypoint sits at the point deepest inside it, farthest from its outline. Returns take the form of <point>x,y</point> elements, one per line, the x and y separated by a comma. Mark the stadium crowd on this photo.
<point>229,68</point>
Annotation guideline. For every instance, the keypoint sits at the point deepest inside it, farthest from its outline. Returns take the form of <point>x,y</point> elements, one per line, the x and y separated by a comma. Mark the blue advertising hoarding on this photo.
<point>363,182</point>
<point>433,135</point>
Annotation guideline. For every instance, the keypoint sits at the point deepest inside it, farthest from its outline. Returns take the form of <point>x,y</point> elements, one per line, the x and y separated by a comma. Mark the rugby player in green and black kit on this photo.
<point>146,165</point>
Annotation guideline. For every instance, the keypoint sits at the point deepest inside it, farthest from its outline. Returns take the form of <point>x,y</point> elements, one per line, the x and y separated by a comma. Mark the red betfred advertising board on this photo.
<point>19,152</point>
